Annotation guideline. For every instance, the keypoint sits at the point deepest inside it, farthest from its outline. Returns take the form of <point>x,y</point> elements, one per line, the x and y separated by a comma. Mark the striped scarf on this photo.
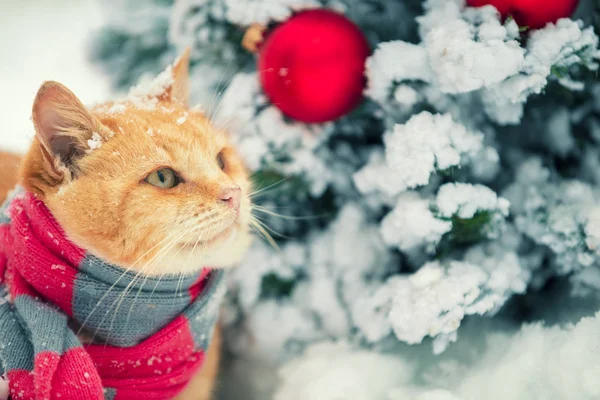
<point>152,333</point>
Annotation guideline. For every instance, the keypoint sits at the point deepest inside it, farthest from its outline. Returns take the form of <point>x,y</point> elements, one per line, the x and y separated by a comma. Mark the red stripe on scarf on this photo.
<point>25,382</point>
<point>163,363</point>
<point>54,376</point>
<point>37,271</point>
<point>198,286</point>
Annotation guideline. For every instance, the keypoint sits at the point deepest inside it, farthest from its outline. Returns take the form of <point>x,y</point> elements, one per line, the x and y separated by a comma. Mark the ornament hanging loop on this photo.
<point>253,37</point>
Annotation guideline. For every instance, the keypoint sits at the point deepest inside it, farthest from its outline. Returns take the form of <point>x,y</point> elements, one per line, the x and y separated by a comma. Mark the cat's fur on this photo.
<point>100,198</point>
<point>9,166</point>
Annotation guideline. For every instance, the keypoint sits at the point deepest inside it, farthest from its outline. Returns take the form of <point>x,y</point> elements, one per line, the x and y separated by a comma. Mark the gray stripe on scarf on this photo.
<point>204,312</point>
<point>124,316</point>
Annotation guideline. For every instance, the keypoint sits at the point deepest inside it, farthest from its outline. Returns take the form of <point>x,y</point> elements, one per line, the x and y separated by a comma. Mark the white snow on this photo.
<point>182,119</point>
<point>462,64</point>
<point>469,50</point>
<point>329,371</point>
<point>406,95</point>
<point>434,300</point>
<point>411,223</point>
<point>415,150</point>
<point>592,230</point>
<point>247,12</point>
<point>558,45</point>
<point>553,214</point>
<point>438,12</point>
<point>536,362</point>
<point>156,87</point>
<point>335,279</point>
<point>395,61</point>
<point>464,200</point>
<point>95,142</point>
<point>559,132</point>
<point>292,321</point>
<point>284,264</point>
<point>117,108</point>
<point>146,93</point>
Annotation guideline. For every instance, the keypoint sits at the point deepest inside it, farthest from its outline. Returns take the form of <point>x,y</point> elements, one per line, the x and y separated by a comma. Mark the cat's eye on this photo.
<point>221,160</point>
<point>164,178</point>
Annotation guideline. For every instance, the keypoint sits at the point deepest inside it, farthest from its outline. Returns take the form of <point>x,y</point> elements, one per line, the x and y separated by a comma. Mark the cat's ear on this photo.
<point>63,127</point>
<point>180,89</point>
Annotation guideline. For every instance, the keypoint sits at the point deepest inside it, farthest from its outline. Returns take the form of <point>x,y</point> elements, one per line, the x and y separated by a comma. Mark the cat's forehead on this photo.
<point>164,122</point>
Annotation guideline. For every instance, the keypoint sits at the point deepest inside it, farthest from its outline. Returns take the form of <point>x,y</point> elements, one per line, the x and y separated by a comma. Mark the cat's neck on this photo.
<point>118,306</point>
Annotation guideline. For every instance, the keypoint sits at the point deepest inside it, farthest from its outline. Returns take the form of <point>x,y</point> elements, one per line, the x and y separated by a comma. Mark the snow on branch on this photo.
<point>559,215</point>
<point>412,224</point>
<point>395,61</point>
<point>465,200</point>
<point>414,151</point>
<point>469,51</point>
<point>553,53</point>
<point>436,298</point>
<point>466,56</point>
<point>247,12</point>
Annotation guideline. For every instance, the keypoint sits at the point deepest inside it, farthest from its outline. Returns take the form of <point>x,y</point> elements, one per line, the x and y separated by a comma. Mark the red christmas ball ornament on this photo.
<point>312,65</point>
<point>533,14</point>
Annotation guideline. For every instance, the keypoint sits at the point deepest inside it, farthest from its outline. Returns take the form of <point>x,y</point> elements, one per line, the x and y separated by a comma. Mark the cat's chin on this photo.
<point>223,250</point>
<point>225,235</point>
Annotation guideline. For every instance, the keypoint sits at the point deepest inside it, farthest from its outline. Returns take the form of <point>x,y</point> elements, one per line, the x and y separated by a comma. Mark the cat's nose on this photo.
<point>232,196</point>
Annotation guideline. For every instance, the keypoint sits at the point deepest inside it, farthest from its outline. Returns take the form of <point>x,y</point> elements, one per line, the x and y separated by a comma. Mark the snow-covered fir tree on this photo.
<point>458,202</point>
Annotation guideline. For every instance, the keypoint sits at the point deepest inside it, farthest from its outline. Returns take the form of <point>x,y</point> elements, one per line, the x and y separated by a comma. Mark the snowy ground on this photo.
<point>43,40</point>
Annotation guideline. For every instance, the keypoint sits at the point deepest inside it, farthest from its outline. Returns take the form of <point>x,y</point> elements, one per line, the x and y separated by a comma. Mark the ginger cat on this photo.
<point>146,183</point>
<point>9,167</point>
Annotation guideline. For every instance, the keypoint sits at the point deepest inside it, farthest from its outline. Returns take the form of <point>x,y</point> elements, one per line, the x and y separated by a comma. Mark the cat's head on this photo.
<point>146,183</point>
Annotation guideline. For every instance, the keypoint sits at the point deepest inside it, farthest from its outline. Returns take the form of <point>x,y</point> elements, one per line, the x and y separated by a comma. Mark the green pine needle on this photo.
<point>274,286</point>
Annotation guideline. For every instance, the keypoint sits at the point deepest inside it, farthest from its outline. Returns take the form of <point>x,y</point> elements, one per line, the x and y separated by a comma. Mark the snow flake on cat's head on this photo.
<point>182,119</point>
<point>94,143</point>
<point>145,95</point>
<point>116,108</point>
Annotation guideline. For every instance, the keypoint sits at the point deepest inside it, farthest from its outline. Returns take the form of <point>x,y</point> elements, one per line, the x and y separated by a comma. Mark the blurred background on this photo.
<point>44,40</point>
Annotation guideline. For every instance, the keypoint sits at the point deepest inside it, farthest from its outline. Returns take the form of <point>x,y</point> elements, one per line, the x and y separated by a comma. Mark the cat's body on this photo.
<point>9,166</point>
<point>146,184</point>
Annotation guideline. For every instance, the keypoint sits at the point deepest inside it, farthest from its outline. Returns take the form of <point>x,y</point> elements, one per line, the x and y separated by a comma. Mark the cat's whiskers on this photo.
<point>254,223</point>
<point>123,274</point>
<point>265,226</point>
<point>218,97</point>
<point>265,210</point>
<point>181,272</point>
<point>261,190</point>
<point>193,252</point>
<point>162,275</point>
<point>225,124</point>
<point>201,225</point>
<point>140,274</point>
<point>129,285</point>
